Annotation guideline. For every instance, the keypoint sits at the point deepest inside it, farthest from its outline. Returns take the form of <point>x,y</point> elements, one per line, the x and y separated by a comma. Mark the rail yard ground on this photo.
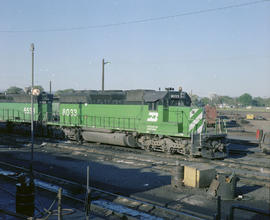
<point>239,115</point>
<point>146,176</point>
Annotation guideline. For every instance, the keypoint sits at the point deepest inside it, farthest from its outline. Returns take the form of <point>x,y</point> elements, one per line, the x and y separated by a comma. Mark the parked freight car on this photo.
<point>210,115</point>
<point>151,120</point>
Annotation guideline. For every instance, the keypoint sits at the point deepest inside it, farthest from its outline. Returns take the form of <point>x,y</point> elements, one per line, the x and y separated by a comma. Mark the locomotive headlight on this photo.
<point>35,92</point>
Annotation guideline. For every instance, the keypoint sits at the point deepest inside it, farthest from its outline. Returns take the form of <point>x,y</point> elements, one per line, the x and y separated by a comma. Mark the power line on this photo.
<point>145,20</point>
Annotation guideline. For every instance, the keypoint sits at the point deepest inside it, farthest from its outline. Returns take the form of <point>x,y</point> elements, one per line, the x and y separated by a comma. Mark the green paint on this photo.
<point>175,121</point>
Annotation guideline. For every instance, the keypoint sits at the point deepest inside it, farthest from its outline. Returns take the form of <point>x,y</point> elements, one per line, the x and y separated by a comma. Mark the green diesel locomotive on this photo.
<point>151,120</point>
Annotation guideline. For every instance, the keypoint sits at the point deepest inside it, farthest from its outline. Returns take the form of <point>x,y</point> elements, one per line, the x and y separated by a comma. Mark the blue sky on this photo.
<point>226,52</point>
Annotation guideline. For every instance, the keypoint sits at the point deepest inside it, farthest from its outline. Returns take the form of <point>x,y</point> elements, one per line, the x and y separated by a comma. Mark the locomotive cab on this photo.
<point>178,98</point>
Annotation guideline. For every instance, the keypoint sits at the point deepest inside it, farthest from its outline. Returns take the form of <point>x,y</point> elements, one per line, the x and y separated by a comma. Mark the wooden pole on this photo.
<point>88,198</point>
<point>103,64</point>
<point>59,195</point>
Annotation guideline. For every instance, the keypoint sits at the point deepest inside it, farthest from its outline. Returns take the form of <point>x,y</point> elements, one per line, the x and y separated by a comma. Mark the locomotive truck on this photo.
<point>148,119</point>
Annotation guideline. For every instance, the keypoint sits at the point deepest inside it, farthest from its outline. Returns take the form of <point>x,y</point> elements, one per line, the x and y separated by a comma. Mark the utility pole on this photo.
<point>50,87</point>
<point>103,67</point>
<point>88,196</point>
<point>32,112</point>
<point>103,64</point>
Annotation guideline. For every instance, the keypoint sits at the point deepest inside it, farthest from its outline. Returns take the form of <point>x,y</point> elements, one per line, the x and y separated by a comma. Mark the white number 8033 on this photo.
<point>69,112</point>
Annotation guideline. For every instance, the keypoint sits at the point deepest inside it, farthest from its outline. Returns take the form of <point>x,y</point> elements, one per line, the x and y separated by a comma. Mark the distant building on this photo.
<point>224,105</point>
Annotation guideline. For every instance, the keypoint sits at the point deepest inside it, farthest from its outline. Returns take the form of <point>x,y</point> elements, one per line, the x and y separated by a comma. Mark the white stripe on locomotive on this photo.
<point>193,112</point>
<point>199,130</point>
<point>196,121</point>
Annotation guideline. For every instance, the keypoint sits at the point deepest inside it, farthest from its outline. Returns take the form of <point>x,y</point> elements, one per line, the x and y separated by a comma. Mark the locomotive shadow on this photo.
<point>114,178</point>
<point>245,189</point>
<point>117,179</point>
<point>241,150</point>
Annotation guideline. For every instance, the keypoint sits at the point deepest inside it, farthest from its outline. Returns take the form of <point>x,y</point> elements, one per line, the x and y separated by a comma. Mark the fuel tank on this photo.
<point>110,138</point>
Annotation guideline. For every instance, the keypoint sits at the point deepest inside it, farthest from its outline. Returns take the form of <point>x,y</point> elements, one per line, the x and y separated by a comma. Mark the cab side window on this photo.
<point>152,106</point>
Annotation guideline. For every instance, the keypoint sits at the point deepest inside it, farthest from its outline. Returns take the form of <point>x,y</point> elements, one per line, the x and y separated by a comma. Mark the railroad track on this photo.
<point>252,171</point>
<point>102,201</point>
<point>166,162</point>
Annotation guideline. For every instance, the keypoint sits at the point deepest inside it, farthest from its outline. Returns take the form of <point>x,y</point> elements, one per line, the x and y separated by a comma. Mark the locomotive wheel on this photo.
<point>148,148</point>
<point>169,150</point>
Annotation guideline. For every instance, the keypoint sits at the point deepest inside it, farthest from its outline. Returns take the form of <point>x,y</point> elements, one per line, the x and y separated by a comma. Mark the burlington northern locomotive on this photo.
<point>151,120</point>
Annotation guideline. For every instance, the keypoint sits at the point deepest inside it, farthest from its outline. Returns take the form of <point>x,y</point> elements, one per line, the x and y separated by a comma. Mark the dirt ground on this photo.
<point>249,125</point>
<point>257,124</point>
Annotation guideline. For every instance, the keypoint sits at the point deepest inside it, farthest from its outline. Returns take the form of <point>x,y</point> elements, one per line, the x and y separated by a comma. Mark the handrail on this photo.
<point>9,115</point>
<point>100,121</point>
